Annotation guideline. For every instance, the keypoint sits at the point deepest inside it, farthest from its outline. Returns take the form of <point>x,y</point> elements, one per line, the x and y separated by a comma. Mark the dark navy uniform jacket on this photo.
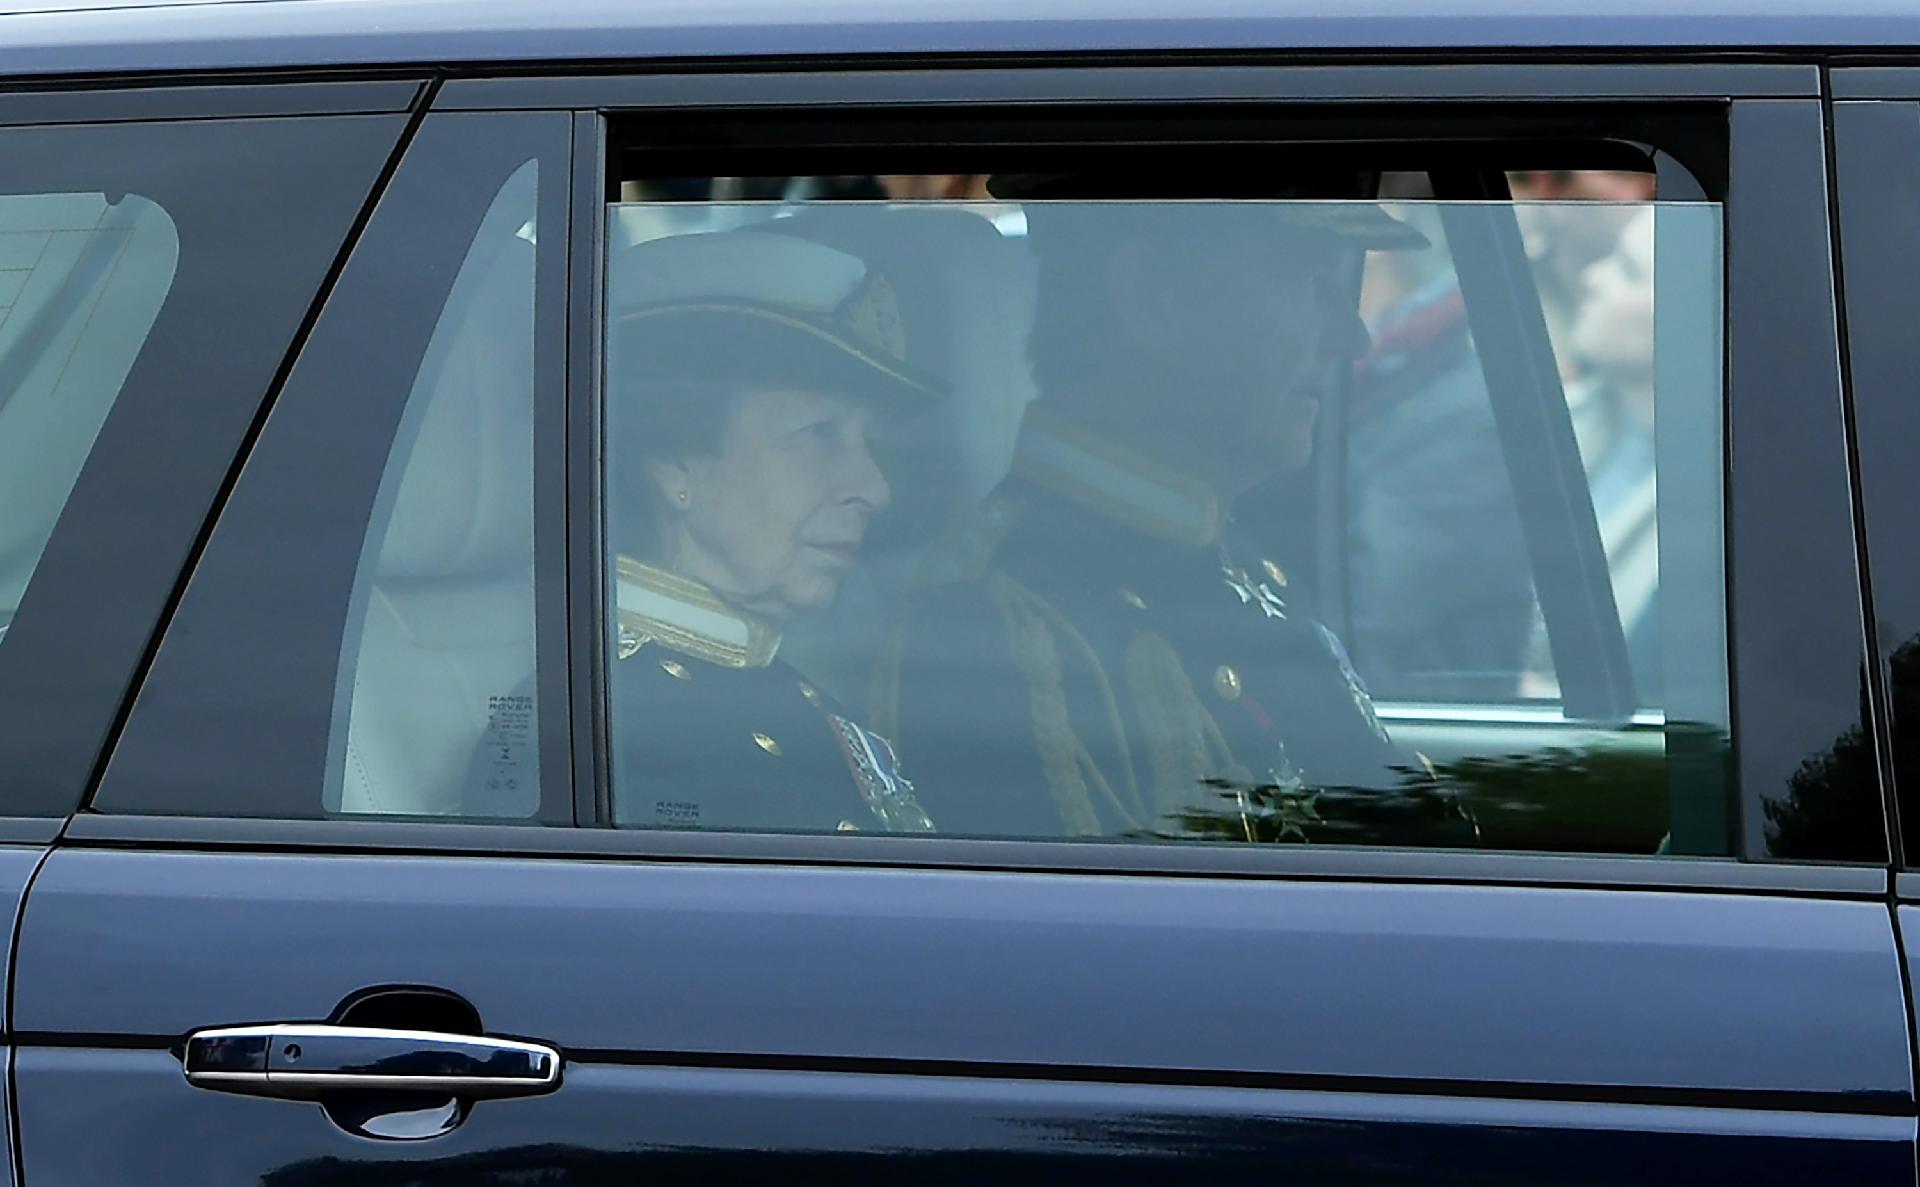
<point>711,730</point>
<point>1114,670</point>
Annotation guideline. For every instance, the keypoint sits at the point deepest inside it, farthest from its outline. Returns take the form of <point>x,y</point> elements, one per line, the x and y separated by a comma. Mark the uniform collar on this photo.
<point>1116,482</point>
<point>655,606</point>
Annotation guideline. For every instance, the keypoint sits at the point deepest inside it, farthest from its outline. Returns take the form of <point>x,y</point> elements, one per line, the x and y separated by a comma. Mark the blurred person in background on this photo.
<point>1612,332</point>
<point>1440,583</point>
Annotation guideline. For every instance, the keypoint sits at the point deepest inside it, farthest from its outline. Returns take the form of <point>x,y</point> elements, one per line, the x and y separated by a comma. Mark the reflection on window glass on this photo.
<point>1044,517</point>
<point>436,682</point>
<point>82,279</point>
<point>1444,607</point>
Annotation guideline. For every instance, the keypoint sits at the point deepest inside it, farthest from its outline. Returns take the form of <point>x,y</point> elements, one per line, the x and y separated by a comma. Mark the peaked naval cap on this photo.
<point>769,304</point>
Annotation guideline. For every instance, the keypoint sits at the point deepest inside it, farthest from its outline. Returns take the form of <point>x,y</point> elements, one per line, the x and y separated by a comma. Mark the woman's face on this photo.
<point>774,518</point>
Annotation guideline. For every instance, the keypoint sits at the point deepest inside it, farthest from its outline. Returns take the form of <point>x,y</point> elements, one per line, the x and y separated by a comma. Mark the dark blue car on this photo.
<point>888,592</point>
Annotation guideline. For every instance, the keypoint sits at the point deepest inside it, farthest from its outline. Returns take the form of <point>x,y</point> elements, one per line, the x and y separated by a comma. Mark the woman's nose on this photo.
<point>864,481</point>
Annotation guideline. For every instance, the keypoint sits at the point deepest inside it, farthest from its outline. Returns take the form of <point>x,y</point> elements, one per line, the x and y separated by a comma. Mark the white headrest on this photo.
<point>973,291</point>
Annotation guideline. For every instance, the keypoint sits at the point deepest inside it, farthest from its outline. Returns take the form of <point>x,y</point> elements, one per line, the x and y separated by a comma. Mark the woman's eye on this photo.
<point>824,432</point>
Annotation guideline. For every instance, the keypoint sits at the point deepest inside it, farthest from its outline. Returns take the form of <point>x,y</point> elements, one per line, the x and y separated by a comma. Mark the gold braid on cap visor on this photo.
<point>871,313</point>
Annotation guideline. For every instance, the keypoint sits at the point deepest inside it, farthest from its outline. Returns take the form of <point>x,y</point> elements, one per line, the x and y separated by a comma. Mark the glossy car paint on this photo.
<point>17,863</point>
<point>1401,984</point>
<point>94,1110</point>
<point>275,33</point>
<point>710,1015</point>
<point>1460,984</point>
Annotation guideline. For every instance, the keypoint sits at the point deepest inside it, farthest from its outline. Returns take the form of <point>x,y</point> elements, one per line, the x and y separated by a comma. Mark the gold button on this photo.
<point>810,692</point>
<point>1133,599</point>
<point>675,669</point>
<point>767,744</point>
<point>1226,682</point>
<point>1275,574</point>
<point>848,826</point>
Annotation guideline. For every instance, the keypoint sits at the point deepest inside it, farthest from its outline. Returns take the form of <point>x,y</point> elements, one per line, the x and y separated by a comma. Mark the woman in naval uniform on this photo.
<point>747,371</point>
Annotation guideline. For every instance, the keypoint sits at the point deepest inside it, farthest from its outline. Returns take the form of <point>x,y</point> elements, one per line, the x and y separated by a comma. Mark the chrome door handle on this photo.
<point>306,1060</point>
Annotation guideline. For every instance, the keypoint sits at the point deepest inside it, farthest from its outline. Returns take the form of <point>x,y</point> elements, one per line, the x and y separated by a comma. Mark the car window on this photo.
<point>997,506</point>
<point>82,279</point>
<point>362,626</point>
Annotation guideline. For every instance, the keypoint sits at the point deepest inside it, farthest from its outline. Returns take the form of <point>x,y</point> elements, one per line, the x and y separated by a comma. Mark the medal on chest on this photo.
<point>876,775</point>
<point>1254,592</point>
<point>1362,699</point>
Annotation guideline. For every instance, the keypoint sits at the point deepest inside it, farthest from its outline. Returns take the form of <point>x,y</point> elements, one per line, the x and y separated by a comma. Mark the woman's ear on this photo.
<point>673,481</point>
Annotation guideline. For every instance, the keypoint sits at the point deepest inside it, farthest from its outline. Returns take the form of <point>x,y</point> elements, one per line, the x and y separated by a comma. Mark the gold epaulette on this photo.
<point>684,615</point>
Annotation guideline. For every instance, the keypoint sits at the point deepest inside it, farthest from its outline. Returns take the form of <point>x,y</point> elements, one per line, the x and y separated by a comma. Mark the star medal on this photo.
<point>1253,593</point>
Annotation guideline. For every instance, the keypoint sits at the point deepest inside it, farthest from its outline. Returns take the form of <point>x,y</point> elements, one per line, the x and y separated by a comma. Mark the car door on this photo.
<point>1876,134</point>
<point>135,344</point>
<point>346,902</point>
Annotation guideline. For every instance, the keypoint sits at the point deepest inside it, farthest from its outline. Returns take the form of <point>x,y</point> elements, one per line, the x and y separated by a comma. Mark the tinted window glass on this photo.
<point>1045,518</point>
<point>160,270</point>
<point>82,278</point>
<point>359,638</point>
<point>1436,612</point>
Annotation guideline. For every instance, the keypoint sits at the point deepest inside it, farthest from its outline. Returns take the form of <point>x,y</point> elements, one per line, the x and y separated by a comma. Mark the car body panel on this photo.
<point>613,1124</point>
<point>17,863</point>
<point>1358,982</point>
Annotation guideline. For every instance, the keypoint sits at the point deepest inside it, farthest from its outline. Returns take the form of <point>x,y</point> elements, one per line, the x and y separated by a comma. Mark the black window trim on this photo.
<point>1872,143</point>
<point>1780,201</point>
<point>30,830</point>
<point>1789,577</point>
<point>585,567</point>
<point>1874,82</point>
<point>881,84</point>
<point>879,851</point>
<point>171,100</point>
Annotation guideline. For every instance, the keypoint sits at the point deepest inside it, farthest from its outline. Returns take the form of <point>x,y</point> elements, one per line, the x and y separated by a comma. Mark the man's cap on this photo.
<point>771,304</point>
<point>1312,204</point>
